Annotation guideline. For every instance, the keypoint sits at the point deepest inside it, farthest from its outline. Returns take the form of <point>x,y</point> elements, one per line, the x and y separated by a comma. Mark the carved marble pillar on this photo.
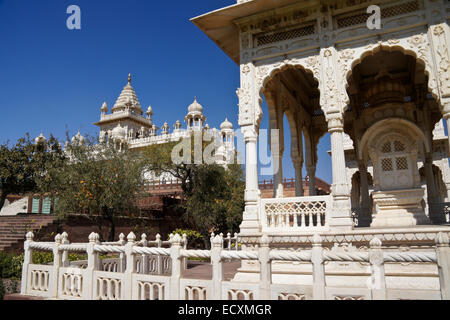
<point>341,212</point>
<point>311,162</point>
<point>276,141</point>
<point>311,170</point>
<point>431,184</point>
<point>250,222</point>
<point>296,150</point>
<point>249,118</point>
<point>298,166</point>
<point>434,211</point>
<point>277,154</point>
<point>364,219</point>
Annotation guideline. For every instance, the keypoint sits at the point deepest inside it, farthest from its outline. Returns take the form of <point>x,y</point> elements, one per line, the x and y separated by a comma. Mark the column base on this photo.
<point>249,228</point>
<point>341,214</point>
<point>250,223</point>
<point>399,208</point>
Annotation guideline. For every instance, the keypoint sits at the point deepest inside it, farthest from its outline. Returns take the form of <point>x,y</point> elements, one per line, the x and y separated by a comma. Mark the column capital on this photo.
<point>362,166</point>
<point>270,97</point>
<point>297,161</point>
<point>429,157</point>
<point>335,120</point>
<point>250,133</point>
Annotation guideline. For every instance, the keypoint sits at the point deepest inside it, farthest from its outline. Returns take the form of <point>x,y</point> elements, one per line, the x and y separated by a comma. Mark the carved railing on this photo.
<point>151,261</point>
<point>294,214</point>
<point>60,282</point>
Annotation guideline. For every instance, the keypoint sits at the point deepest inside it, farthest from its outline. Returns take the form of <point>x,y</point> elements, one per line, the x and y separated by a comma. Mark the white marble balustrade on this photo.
<point>92,283</point>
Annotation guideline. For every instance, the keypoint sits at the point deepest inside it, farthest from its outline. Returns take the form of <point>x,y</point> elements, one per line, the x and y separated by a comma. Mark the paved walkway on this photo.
<point>203,270</point>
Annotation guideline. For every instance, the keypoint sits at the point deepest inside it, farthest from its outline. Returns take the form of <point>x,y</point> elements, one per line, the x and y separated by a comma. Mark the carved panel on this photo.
<point>443,62</point>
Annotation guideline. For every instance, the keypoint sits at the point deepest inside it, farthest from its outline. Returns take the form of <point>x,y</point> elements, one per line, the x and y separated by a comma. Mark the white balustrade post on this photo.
<point>53,281</point>
<point>93,265</point>
<point>211,239</point>
<point>65,254</point>
<point>122,260</point>
<point>144,262</point>
<point>130,267</point>
<point>27,260</point>
<point>185,242</point>
<point>175,255</point>
<point>265,277</point>
<point>318,268</point>
<point>443,262</point>
<point>217,267</point>
<point>378,278</point>
<point>159,258</point>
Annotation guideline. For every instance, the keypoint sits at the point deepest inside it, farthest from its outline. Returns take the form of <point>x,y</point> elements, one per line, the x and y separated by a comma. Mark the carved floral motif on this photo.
<point>444,63</point>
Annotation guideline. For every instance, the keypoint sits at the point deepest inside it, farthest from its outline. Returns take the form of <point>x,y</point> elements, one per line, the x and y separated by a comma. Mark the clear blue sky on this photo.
<point>53,79</point>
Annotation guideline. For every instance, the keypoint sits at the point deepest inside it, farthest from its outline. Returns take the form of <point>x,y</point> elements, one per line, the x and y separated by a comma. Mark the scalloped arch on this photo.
<point>392,48</point>
<point>283,67</point>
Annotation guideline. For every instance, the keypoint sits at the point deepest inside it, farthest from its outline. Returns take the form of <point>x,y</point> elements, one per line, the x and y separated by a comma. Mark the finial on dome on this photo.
<point>40,139</point>
<point>226,125</point>
<point>129,78</point>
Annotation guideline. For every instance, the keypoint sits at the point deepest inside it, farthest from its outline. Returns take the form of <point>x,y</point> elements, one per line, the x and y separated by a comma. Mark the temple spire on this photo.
<point>129,78</point>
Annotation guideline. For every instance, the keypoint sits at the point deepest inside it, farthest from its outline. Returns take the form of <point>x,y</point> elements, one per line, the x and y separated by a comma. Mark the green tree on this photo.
<point>24,166</point>
<point>102,181</point>
<point>217,200</point>
<point>213,197</point>
<point>48,160</point>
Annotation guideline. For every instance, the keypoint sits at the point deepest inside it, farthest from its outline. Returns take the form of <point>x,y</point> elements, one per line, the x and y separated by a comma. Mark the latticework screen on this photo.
<point>272,37</point>
<point>361,17</point>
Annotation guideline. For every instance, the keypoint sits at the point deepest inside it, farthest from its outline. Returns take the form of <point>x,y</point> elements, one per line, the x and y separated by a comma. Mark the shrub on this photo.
<point>194,237</point>
<point>2,290</point>
<point>11,265</point>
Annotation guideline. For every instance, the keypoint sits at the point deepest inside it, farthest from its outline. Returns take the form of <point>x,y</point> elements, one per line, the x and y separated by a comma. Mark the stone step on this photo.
<point>14,228</point>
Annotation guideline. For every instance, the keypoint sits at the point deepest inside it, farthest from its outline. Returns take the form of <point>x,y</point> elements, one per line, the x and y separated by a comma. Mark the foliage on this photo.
<point>102,181</point>
<point>217,200</point>
<point>2,290</point>
<point>24,166</point>
<point>11,265</point>
<point>193,236</point>
<point>213,197</point>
